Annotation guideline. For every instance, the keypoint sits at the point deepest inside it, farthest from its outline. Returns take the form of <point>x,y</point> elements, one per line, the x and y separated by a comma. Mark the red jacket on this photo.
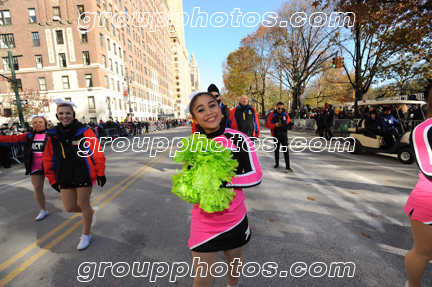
<point>65,163</point>
<point>271,123</point>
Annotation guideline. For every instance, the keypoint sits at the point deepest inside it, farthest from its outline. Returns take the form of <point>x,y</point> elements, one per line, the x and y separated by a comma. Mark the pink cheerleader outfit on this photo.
<point>419,204</point>
<point>228,229</point>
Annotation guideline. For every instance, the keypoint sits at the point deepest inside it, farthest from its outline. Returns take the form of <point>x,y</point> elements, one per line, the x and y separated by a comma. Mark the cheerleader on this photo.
<point>419,205</point>
<point>228,230</point>
<point>71,173</point>
<point>34,142</point>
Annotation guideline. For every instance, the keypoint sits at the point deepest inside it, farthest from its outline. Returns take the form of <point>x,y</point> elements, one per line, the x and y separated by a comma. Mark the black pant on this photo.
<point>329,132</point>
<point>284,141</point>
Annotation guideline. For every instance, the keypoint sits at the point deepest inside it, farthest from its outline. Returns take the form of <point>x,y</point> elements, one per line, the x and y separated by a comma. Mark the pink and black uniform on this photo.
<point>419,203</point>
<point>228,229</point>
<point>34,147</point>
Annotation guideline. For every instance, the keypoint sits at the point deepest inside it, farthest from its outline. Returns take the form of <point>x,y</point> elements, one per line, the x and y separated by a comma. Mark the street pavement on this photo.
<point>335,207</point>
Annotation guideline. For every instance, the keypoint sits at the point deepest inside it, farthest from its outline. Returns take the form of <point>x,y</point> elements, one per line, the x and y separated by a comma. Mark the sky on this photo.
<point>212,45</point>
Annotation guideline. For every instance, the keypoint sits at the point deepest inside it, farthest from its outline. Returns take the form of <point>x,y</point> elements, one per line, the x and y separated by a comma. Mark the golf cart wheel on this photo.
<point>357,147</point>
<point>406,156</point>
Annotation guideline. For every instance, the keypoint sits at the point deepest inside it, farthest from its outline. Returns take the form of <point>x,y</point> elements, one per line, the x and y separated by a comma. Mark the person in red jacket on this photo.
<point>244,118</point>
<point>34,143</point>
<point>69,170</point>
<point>277,122</point>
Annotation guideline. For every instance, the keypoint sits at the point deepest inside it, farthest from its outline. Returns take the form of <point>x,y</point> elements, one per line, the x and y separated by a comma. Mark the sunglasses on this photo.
<point>279,109</point>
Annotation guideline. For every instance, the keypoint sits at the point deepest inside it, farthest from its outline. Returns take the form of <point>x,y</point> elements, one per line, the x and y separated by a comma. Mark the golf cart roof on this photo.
<point>390,102</point>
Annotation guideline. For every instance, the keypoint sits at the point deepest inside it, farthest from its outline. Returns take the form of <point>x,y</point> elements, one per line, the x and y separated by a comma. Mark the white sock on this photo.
<point>232,286</point>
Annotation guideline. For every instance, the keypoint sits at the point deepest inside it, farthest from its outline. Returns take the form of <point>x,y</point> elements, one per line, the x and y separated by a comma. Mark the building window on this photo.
<point>101,39</point>
<point>109,44</point>
<point>65,80</point>
<point>118,34</point>
<point>59,36</point>
<point>32,15</point>
<point>134,94</point>
<point>80,10</point>
<point>132,76</point>
<point>89,81</point>
<point>39,64</point>
<point>106,82</point>
<point>112,30</point>
<point>111,65</point>
<point>91,103</point>
<point>118,87</point>
<point>100,19</point>
<point>84,38</point>
<point>123,39</point>
<point>56,14</point>
<point>116,67</point>
<point>42,84</point>
<point>120,105</point>
<point>129,45</point>
<point>6,65</point>
<point>104,4</point>
<point>86,58</point>
<point>7,41</point>
<point>121,70</point>
<point>106,24</point>
<point>112,84</point>
<point>5,18</point>
<point>115,49</point>
<point>36,40</point>
<point>11,87</point>
<point>62,60</point>
<point>120,53</point>
<point>130,61</point>
<point>104,61</point>
<point>128,29</point>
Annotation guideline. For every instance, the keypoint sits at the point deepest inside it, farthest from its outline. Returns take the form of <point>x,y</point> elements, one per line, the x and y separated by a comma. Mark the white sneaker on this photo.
<point>84,242</point>
<point>42,214</point>
<point>96,209</point>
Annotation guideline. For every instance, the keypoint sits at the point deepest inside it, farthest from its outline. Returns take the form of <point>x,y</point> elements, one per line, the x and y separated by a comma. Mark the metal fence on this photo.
<point>17,153</point>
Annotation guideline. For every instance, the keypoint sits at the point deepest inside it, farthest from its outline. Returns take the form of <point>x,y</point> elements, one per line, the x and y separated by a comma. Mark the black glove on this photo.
<point>101,180</point>
<point>56,187</point>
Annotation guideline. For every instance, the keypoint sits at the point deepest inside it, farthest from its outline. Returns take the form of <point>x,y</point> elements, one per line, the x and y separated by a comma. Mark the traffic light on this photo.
<point>6,112</point>
<point>341,62</point>
<point>334,62</point>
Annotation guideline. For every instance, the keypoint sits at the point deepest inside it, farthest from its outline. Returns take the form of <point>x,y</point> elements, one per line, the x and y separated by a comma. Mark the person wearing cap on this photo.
<point>226,122</point>
<point>34,143</point>
<point>244,118</point>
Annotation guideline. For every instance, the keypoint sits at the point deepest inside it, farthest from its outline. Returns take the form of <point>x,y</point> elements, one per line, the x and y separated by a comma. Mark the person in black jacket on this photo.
<point>226,122</point>
<point>278,122</point>
<point>34,142</point>
<point>330,122</point>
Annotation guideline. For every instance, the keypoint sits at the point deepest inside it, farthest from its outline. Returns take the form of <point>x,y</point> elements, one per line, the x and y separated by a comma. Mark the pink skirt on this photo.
<point>419,204</point>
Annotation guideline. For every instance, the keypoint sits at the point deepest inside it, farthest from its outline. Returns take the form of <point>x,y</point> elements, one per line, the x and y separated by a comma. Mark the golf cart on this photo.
<point>365,140</point>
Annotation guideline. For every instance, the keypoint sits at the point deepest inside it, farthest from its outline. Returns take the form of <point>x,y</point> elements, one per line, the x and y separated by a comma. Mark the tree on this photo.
<point>237,71</point>
<point>301,52</point>
<point>383,30</point>
<point>37,102</point>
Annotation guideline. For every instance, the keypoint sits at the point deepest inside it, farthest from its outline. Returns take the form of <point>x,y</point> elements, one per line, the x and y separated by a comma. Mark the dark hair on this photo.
<point>373,112</point>
<point>280,104</point>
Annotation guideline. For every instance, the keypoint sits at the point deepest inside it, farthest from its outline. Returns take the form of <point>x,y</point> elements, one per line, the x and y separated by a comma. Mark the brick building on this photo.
<point>92,67</point>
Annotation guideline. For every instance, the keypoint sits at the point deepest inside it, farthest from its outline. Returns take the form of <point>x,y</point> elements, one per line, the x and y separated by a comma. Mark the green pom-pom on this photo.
<point>206,164</point>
